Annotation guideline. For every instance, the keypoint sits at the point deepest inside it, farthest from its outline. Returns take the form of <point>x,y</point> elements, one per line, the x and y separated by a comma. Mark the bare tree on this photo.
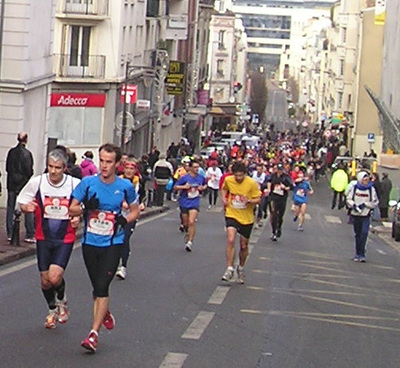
<point>259,93</point>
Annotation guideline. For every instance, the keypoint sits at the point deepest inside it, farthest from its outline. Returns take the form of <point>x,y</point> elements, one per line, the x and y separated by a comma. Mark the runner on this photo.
<point>131,173</point>
<point>240,194</point>
<point>48,196</point>
<point>259,176</point>
<point>213,176</point>
<point>190,186</point>
<point>302,189</point>
<point>278,186</point>
<point>100,199</point>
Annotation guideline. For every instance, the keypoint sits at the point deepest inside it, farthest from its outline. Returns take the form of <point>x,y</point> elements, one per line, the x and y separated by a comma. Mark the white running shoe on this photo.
<point>51,319</point>
<point>121,272</point>
<point>240,275</point>
<point>62,310</point>
<point>188,246</point>
<point>228,275</point>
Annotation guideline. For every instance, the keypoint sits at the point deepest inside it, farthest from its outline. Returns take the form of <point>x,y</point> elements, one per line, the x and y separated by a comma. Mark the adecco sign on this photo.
<point>77,100</point>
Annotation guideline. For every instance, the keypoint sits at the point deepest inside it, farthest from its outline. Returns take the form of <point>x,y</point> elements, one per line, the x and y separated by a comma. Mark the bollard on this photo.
<point>15,238</point>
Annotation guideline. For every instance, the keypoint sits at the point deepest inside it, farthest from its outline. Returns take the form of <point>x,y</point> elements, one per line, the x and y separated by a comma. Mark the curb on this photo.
<point>20,252</point>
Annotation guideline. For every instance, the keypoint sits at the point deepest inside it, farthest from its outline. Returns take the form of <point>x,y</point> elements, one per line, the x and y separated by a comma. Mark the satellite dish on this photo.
<point>130,121</point>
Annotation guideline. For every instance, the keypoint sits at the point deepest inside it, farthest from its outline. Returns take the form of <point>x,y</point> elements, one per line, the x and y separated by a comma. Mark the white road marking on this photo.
<point>218,295</point>
<point>386,224</point>
<point>381,252</point>
<point>307,216</point>
<point>333,219</point>
<point>174,360</point>
<point>198,326</point>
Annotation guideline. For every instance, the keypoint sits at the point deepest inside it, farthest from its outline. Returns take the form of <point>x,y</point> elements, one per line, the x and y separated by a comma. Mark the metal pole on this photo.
<point>124,107</point>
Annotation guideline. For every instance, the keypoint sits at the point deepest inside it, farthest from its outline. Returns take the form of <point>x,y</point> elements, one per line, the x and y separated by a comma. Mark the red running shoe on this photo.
<point>109,321</point>
<point>91,342</point>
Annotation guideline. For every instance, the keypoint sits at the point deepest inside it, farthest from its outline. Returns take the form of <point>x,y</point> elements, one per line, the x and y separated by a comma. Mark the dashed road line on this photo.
<point>381,252</point>
<point>198,326</point>
<point>333,219</point>
<point>173,360</point>
<point>219,295</point>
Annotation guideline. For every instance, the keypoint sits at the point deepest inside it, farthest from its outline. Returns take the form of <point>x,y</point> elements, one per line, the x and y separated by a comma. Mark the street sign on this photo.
<point>175,78</point>
<point>371,137</point>
<point>143,104</point>
<point>130,97</point>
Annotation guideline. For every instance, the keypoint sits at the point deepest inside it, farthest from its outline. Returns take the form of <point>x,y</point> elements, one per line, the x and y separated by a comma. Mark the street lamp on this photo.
<point>159,70</point>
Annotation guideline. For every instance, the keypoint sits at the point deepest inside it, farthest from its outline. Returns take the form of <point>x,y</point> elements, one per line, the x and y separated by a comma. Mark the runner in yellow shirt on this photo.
<point>240,194</point>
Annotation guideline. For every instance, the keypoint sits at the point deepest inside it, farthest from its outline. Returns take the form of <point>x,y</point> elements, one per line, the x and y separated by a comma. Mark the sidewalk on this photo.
<point>10,253</point>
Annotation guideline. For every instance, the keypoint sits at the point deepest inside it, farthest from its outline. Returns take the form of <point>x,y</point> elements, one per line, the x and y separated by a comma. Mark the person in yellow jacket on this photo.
<point>339,183</point>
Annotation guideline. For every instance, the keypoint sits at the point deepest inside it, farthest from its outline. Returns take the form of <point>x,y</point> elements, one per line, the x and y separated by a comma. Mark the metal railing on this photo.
<point>85,7</point>
<point>79,66</point>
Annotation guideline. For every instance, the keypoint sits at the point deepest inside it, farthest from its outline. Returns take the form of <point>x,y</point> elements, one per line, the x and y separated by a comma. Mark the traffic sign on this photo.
<point>371,137</point>
<point>130,97</point>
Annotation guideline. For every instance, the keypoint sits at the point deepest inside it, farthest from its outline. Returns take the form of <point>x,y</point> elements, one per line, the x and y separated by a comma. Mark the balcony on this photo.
<point>174,27</point>
<point>79,66</point>
<point>93,9</point>
<point>339,85</point>
<point>207,3</point>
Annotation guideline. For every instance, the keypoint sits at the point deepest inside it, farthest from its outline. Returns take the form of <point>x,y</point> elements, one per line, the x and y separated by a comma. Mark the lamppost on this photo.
<point>159,70</point>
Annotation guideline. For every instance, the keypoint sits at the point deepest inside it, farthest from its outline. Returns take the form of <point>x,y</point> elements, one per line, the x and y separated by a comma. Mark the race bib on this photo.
<point>101,222</point>
<point>239,202</point>
<point>301,193</point>
<point>193,192</point>
<point>56,208</point>
<point>278,190</point>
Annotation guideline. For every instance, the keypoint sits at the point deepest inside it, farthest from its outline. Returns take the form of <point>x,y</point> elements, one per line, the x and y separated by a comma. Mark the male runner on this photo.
<point>48,196</point>
<point>100,199</point>
<point>190,186</point>
<point>240,194</point>
<point>278,186</point>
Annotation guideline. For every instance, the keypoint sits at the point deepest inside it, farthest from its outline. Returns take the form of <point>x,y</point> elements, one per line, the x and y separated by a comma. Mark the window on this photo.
<point>340,100</point>
<point>221,41</point>
<point>341,71</point>
<point>76,126</point>
<point>220,68</point>
<point>79,46</point>
<point>344,35</point>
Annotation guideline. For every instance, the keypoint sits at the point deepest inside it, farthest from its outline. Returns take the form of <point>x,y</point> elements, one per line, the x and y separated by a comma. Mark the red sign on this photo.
<point>130,96</point>
<point>78,99</point>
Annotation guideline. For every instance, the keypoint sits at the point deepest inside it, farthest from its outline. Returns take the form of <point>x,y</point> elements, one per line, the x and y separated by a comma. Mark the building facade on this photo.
<point>26,75</point>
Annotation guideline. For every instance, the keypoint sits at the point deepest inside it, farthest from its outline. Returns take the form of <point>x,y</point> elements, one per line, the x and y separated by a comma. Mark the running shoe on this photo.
<point>228,275</point>
<point>91,342</point>
<point>181,228</point>
<point>278,233</point>
<point>51,319</point>
<point>362,259</point>
<point>300,228</point>
<point>295,218</point>
<point>240,275</point>
<point>121,272</point>
<point>274,237</point>
<point>209,207</point>
<point>30,240</point>
<point>188,246</point>
<point>356,258</point>
<point>109,321</point>
<point>62,311</point>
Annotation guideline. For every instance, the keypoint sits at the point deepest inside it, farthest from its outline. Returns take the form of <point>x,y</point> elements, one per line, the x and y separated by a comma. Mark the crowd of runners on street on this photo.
<point>253,184</point>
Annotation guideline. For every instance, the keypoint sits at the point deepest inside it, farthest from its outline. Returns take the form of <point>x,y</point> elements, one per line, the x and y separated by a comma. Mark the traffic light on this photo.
<point>237,86</point>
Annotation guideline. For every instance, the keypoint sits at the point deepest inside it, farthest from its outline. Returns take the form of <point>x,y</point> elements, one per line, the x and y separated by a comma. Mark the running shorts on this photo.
<point>48,253</point>
<point>243,230</point>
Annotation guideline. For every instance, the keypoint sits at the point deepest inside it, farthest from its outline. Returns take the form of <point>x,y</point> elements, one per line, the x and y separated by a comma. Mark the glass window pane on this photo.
<point>92,126</point>
<point>85,46</point>
<point>74,48</point>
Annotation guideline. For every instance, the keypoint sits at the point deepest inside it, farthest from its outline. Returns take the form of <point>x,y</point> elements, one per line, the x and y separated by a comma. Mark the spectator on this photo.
<point>386,187</point>
<point>72,168</point>
<point>88,167</point>
<point>153,156</point>
<point>163,171</point>
<point>19,167</point>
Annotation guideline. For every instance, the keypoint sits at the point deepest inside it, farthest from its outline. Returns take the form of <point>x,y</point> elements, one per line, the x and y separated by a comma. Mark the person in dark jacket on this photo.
<point>386,187</point>
<point>19,167</point>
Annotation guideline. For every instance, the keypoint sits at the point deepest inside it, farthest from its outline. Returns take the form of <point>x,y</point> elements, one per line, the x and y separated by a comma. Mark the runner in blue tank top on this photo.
<point>100,199</point>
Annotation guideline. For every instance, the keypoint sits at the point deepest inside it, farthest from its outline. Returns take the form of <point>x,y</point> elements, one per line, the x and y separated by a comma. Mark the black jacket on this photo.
<point>19,167</point>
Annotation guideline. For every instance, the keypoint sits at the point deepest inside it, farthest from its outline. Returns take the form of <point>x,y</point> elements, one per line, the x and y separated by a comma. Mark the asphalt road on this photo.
<point>305,303</point>
<point>277,109</point>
